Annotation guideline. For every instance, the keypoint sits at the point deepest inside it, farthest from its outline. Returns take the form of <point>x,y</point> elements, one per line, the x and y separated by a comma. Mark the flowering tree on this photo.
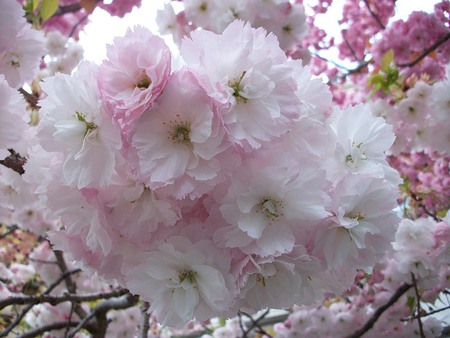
<point>152,197</point>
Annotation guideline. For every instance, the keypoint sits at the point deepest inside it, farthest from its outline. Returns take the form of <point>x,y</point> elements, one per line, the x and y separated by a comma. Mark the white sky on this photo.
<point>103,28</point>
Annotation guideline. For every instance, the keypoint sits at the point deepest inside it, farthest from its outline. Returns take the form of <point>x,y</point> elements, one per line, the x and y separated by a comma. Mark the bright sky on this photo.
<point>103,27</point>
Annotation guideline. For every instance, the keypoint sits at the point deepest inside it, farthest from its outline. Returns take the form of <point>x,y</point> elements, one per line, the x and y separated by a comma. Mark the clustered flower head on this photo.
<point>421,250</point>
<point>286,19</point>
<point>21,47</point>
<point>228,183</point>
<point>409,39</point>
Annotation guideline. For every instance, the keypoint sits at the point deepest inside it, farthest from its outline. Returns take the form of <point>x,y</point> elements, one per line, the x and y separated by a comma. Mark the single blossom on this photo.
<point>75,123</point>
<point>135,73</point>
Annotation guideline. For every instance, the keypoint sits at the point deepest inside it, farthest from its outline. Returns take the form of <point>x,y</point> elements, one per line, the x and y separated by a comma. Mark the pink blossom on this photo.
<point>245,70</point>
<point>135,73</point>
<point>180,142</point>
<point>76,124</point>
<point>183,280</point>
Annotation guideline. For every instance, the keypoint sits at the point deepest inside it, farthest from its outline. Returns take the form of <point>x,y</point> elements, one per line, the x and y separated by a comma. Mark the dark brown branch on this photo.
<point>10,231</point>
<point>377,314</point>
<point>14,162</point>
<point>54,326</point>
<point>416,290</point>
<point>255,324</point>
<point>143,331</point>
<point>53,300</point>
<point>71,286</point>
<point>18,319</point>
<point>377,19</point>
<point>72,8</point>
<point>30,98</point>
<point>74,28</point>
<point>429,313</point>
<point>426,51</point>
<point>100,310</point>
<point>348,45</point>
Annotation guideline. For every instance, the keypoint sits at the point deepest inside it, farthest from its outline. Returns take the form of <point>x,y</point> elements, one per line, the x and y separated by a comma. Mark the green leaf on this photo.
<point>48,8</point>
<point>375,79</point>
<point>410,303</point>
<point>35,4</point>
<point>386,60</point>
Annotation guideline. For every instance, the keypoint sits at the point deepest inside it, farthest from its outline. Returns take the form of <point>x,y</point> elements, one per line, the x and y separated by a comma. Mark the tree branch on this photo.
<point>377,19</point>
<point>54,326</point>
<point>101,309</point>
<point>143,332</point>
<point>18,319</point>
<point>416,290</point>
<point>426,51</point>
<point>53,300</point>
<point>71,286</point>
<point>377,314</point>
<point>14,162</point>
<point>30,98</point>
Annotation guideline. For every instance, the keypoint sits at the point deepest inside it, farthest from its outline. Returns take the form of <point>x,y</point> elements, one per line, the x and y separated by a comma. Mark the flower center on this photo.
<point>236,86</point>
<point>356,156</point>
<point>187,275</point>
<point>89,125</point>
<point>270,208</point>
<point>144,83</point>
<point>179,131</point>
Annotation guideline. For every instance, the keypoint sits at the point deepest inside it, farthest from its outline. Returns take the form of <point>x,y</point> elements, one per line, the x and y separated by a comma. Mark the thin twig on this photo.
<point>377,314</point>
<point>30,98</point>
<point>71,286</point>
<point>145,325</point>
<point>14,162</point>
<point>74,28</point>
<point>54,326</point>
<point>419,309</point>
<point>72,8</point>
<point>377,19</point>
<point>255,323</point>
<point>10,231</point>
<point>18,319</point>
<point>53,300</point>
<point>348,45</point>
<point>123,302</point>
<point>426,51</point>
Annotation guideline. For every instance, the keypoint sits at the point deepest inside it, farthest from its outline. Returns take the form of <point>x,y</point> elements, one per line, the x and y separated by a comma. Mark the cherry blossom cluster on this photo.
<point>63,54</point>
<point>21,47</point>
<point>285,18</point>
<point>419,258</point>
<point>228,183</point>
<point>409,39</point>
<point>426,187</point>
<point>420,119</point>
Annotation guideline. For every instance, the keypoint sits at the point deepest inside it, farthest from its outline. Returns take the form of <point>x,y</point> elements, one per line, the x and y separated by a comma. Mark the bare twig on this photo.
<point>54,326</point>
<point>429,313</point>
<point>68,297</point>
<point>255,323</point>
<point>426,51</point>
<point>30,98</point>
<point>10,231</point>
<point>377,314</point>
<point>72,8</point>
<point>74,28</point>
<point>145,320</point>
<point>18,319</point>
<point>377,19</point>
<point>71,286</point>
<point>14,162</point>
<point>101,309</point>
<point>344,33</point>
<point>419,309</point>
